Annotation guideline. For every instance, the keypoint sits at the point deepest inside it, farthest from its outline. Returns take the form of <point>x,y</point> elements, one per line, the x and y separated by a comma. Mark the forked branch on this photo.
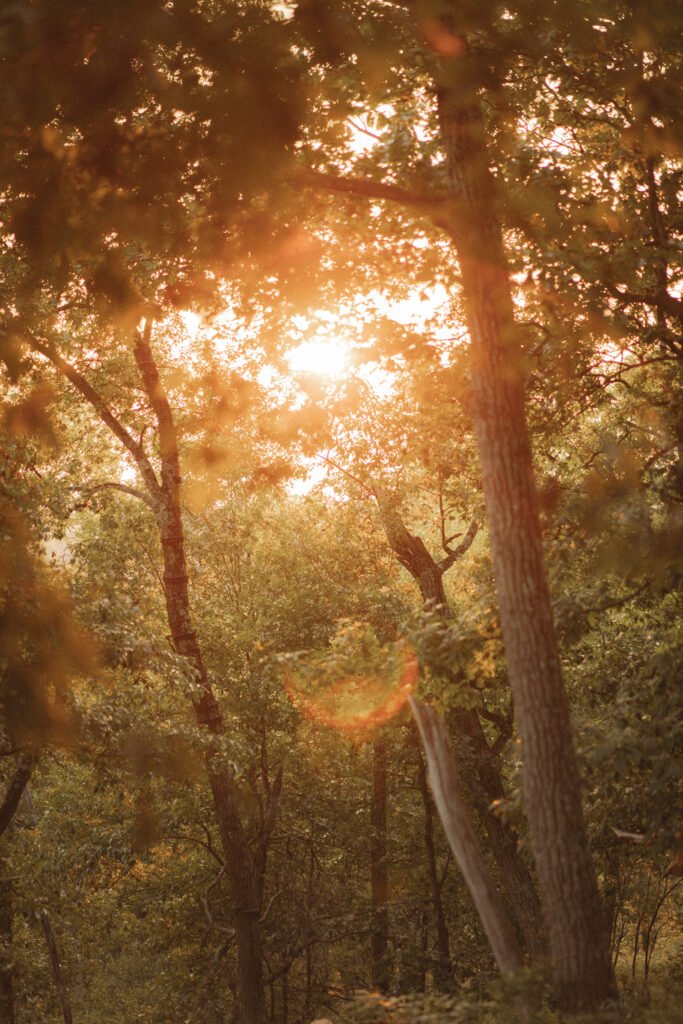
<point>98,403</point>
<point>455,553</point>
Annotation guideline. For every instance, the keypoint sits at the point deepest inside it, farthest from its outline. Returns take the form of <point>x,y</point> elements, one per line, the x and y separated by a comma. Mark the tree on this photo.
<point>83,84</point>
<point>461,69</point>
<point>159,156</point>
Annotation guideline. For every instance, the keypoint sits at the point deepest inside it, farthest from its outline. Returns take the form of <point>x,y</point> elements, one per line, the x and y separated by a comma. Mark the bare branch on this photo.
<point>207,910</point>
<point>619,601</point>
<point>442,518</point>
<point>661,299</point>
<point>445,541</point>
<point>268,823</point>
<point>628,837</point>
<point>456,553</point>
<point>264,916</point>
<point>363,129</point>
<point>124,488</point>
<point>208,846</point>
<point>168,438</point>
<point>502,722</point>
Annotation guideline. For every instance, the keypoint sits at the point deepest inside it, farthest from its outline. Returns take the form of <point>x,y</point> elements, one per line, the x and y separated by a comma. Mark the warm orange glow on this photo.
<point>441,39</point>
<point>357,703</point>
<point>329,358</point>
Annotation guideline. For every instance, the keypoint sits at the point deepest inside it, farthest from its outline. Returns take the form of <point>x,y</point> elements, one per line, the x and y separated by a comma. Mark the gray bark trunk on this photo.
<point>514,874</point>
<point>444,783</point>
<point>443,973</point>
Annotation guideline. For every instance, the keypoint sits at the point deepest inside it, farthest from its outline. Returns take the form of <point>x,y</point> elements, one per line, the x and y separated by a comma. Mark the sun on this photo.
<point>330,358</point>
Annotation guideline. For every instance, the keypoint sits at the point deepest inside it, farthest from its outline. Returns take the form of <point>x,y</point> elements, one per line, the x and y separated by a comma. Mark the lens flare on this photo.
<point>357,703</point>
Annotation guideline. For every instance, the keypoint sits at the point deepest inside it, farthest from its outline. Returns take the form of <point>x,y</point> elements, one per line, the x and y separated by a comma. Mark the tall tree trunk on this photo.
<point>443,974</point>
<point>579,944</point>
<point>6,950</point>
<point>56,967</point>
<point>240,862</point>
<point>10,803</point>
<point>514,874</point>
<point>411,962</point>
<point>379,867</point>
<point>285,998</point>
<point>244,869</point>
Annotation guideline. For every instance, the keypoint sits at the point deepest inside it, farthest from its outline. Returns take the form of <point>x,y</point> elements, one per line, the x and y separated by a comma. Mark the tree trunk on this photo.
<point>451,806</point>
<point>412,962</point>
<point>164,499</point>
<point>56,967</point>
<point>379,867</point>
<point>514,874</point>
<point>285,997</point>
<point>443,974</point>
<point>239,859</point>
<point>15,790</point>
<point>583,975</point>
<point>6,950</point>
<point>503,840</point>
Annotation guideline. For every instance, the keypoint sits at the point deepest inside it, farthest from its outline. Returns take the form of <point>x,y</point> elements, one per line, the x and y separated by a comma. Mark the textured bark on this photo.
<point>444,783</point>
<point>379,867</point>
<point>583,975</point>
<point>443,974</point>
<point>678,417</point>
<point>285,998</point>
<point>56,967</point>
<point>514,874</point>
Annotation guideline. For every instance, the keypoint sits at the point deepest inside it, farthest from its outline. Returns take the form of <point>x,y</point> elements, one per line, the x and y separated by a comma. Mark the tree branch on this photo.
<point>125,489</point>
<point>619,601</point>
<point>270,817</point>
<point>345,472</point>
<point>661,299</point>
<point>363,188</point>
<point>230,932</point>
<point>102,409</point>
<point>456,553</point>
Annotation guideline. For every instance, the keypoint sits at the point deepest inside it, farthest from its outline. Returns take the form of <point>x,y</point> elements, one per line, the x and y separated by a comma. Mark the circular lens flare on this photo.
<point>357,703</point>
